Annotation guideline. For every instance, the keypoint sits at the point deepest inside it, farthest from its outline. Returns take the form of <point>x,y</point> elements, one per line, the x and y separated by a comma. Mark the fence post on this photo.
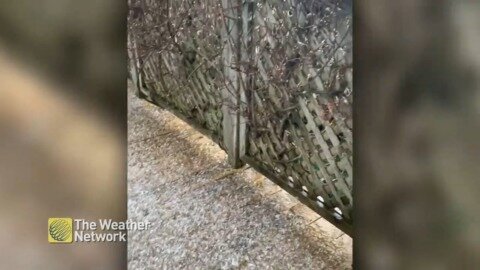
<point>238,49</point>
<point>134,64</point>
<point>233,125</point>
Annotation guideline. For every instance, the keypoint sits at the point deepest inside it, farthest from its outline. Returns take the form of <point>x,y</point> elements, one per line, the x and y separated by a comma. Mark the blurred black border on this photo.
<point>416,130</point>
<point>79,47</point>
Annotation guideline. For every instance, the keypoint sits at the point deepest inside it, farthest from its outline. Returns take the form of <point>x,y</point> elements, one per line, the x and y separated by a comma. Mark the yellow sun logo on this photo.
<point>60,230</point>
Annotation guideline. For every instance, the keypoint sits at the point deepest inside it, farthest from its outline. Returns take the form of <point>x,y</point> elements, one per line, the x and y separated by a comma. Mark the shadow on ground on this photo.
<point>205,215</point>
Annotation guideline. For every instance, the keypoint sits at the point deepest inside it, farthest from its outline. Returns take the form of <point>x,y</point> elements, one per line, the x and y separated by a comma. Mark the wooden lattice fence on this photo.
<point>270,81</point>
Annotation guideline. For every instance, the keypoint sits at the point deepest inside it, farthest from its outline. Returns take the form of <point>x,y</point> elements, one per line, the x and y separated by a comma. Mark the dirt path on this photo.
<point>205,217</point>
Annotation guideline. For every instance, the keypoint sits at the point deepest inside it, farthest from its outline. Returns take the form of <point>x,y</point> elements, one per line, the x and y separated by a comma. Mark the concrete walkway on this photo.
<point>206,216</point>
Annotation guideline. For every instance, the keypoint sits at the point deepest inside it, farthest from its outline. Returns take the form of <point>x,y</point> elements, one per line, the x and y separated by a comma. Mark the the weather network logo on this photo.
<point>60,230</point>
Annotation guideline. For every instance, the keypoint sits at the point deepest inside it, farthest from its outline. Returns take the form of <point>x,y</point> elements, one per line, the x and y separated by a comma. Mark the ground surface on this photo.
<point>206,216</point>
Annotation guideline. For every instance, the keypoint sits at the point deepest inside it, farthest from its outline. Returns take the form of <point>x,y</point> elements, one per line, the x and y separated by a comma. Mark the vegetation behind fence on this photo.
<point>269,81</point>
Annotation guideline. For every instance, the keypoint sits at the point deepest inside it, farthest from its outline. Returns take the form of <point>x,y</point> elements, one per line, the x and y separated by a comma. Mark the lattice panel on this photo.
<point>180,51</point>
<point>300,118</point>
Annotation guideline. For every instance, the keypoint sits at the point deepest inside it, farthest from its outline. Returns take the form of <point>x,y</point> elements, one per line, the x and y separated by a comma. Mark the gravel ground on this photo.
<point>207,216</point>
